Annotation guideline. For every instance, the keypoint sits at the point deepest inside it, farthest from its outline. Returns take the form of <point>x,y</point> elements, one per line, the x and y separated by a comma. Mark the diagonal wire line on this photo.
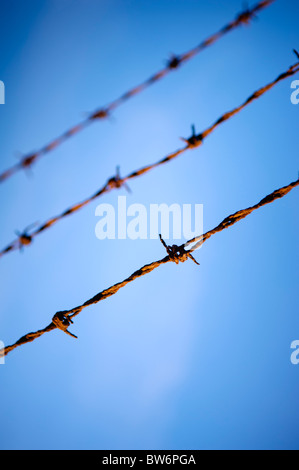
<point>103,113</point>
<point>116,182</point>
<point>237,216</point>
<point>63,319</point>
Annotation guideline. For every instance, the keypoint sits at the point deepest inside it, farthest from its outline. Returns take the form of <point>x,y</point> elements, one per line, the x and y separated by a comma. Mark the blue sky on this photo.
<point>187,357</point>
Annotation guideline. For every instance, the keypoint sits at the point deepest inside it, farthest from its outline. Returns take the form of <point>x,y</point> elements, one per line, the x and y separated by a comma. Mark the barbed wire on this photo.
<point>237,216</point>
<point>103,113</point>
<point>62,320</point>
<point>196,140</point>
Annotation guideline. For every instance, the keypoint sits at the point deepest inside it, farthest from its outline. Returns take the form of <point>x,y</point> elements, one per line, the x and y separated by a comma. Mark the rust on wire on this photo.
<point>192,142</point>
<point>195,140</point>
<point>103,113</point>
<point>177,253</point>
<point>25,238</point>
<point>237,216</point>
<point>62,320</point>
<point>116,182</point>
<point>246,16</point>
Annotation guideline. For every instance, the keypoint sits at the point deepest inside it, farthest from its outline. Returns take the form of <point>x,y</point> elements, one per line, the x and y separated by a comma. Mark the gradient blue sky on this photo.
<point>186,357</point>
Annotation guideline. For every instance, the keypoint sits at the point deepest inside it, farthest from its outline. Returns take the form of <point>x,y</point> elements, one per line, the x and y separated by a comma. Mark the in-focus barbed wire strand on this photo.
<point>103,113</point>
<point>63,319</point>
<point>196,140</point>
<point>237,216</point>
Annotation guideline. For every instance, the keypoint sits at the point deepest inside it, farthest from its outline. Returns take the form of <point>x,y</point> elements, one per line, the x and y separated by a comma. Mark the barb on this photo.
<point>103,113</point>
<point>178,253</point>
<point>117,182</point>
<point>175,254</point>
<point>62,321</point>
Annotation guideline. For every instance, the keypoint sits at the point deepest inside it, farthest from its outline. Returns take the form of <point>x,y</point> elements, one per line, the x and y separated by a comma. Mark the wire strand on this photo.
<point>182,255</point>
<point>103,113</point>
<point>196,140</point>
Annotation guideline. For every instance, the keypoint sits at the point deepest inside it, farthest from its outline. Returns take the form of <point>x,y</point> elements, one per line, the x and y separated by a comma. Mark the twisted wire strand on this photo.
<point>174,63</point>
<point>178,254</point>
<point>196,140</point>
<point>197,242</point>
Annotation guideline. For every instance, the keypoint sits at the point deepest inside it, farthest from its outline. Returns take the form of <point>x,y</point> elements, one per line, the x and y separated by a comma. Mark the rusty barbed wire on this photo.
<point>103,113</point>
<point>63,319</point>
<point>237,216</point>
<point>117,181</point>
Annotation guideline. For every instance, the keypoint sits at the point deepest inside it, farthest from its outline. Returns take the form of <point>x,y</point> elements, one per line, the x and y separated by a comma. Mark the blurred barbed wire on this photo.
<point>173,63</point>
<point>62,320</point>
